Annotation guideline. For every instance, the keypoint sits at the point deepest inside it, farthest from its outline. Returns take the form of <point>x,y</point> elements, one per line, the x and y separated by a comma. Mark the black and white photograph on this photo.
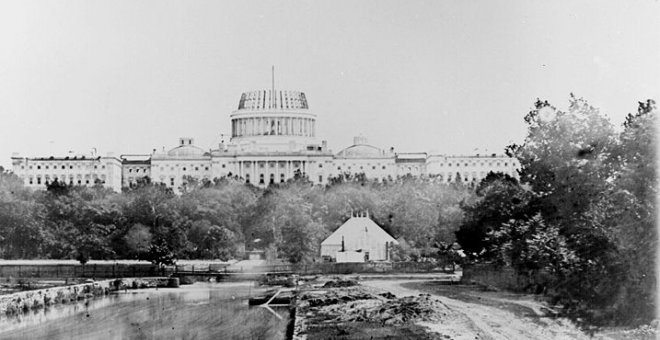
<point>316,169</point>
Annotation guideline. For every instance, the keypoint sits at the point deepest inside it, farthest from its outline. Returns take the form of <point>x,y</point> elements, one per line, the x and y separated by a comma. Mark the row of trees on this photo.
<point>583,212</point>
<point>220,219</point>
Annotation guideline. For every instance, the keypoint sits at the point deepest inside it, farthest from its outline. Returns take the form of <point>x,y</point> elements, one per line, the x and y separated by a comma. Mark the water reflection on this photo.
<point>199,311</point>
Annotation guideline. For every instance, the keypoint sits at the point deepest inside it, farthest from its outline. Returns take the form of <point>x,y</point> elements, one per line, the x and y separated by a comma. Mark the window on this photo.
<point>70,166</point>
<point>383,167</point>
<point>506,164</point>
<point>30,167</point>
<point>63,166</point>
<point>46,167</point>
<point>184,168</point>
<point>373,167</point>
<point>130,170</point>
<point>281,178</point>
<point>272,178</point>
<point>449,164</point>
<point>172,181</point>
<point>261,179</point>
<point>38,180</point>
<point>30,180</point>
<point>96,166</point>
<point>196,168</point>
<point>86,181</point>
<point>320,165</point>
<point>338,168</point>
<point>223,166</point>
<point>79,182</point>
<point>320,179</point>
<point>247,178</point>
<point>38,166</point>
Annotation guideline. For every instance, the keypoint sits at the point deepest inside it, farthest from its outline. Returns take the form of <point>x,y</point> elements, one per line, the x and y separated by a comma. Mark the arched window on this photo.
<point>261,178</point>
<point>281,178</point>
<point>247,178</point>
<point>272,179</point>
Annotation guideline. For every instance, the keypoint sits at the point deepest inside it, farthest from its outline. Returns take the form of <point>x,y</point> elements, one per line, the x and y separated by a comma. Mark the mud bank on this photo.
<point>21,302</point>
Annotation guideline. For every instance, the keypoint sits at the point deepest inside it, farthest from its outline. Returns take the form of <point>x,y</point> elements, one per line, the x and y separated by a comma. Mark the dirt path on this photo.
<point>495,318</point>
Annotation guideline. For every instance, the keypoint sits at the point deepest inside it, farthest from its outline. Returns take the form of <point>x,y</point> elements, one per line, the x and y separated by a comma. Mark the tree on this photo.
<point>500,198</point>
<point>160,254</point>
<point>138,239</point>
<point>628,212</point>
<point>212,241</point>
<point>297,233</point>
<point>564,159</point>
<point>594,218</point>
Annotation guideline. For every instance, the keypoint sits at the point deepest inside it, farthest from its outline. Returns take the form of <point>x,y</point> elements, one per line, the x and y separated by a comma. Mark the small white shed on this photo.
<point>358,240</point>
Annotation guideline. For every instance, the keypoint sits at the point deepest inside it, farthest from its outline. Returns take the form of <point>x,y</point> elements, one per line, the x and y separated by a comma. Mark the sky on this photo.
<point>450,77</point>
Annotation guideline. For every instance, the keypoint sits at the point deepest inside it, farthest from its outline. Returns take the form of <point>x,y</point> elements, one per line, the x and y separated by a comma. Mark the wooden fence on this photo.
<point>145,270</point>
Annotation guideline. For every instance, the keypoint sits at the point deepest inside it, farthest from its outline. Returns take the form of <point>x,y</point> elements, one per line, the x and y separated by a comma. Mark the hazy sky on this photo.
<point>441,76</point>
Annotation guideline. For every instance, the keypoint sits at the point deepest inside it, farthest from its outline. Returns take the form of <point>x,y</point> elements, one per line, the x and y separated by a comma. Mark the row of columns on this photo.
<point>252,173</point>
<point>279,126</point>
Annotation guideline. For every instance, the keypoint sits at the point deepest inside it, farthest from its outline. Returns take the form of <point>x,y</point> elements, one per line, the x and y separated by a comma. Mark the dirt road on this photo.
<point>486,315</point>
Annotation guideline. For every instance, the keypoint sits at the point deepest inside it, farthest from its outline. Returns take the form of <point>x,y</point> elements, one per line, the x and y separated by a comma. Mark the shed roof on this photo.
<point>358,229</point>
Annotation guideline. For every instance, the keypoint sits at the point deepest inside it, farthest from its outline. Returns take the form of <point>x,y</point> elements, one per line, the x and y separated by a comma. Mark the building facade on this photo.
<point>273,138</point>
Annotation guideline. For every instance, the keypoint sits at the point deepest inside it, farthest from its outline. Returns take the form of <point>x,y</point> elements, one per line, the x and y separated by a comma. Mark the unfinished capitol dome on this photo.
<point>273,120</point>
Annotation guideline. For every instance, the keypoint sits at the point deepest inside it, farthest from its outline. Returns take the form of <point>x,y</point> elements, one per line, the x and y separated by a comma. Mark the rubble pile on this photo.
<point>340,283</point>
<point>357,305</point>
<point>336,297</point>
<point>395,311</point>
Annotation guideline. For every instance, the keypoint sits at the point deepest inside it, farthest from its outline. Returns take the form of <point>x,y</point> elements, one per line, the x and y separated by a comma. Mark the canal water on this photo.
<point>198,311</point>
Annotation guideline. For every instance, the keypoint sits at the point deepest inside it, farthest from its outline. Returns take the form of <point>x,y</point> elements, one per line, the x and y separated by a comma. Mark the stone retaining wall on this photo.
<point>29,300</point>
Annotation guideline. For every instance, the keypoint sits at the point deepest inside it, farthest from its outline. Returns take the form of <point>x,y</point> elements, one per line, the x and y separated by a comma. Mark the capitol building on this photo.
<point>273,138</point>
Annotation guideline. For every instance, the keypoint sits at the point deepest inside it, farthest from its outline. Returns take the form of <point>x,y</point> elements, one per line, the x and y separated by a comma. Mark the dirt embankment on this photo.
<point>476,314</point>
